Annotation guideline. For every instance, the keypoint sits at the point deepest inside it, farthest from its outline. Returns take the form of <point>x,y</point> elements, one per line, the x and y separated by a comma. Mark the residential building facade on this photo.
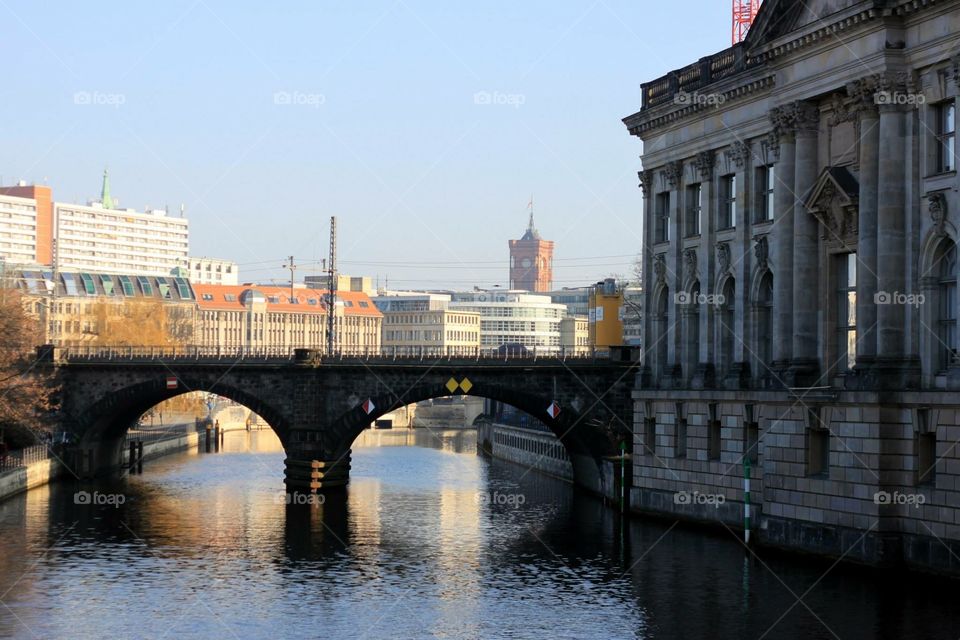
<point>26,223</point>
<point>212,271</point>
<point>575,335</point>
<point>800,207</point>
<point>431,331</point>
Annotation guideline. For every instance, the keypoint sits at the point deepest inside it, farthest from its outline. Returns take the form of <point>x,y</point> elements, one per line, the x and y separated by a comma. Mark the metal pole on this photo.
<point>746,500</point>
<point>623,476</point>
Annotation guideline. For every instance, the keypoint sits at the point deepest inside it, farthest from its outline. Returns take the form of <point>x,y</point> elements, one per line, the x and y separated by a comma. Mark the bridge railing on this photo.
<point>399,353</point>
<point>23,457</point>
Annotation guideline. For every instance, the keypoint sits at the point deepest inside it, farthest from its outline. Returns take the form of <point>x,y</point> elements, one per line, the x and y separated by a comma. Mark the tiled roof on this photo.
<point>230,297</point>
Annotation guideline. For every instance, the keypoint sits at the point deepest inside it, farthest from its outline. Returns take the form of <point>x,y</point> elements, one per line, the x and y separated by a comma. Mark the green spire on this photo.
<point>105,192</point>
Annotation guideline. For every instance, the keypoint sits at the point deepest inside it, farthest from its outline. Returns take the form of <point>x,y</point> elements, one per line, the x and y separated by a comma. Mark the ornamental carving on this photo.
<point>807,118</point>
<point>842,109</point>
<point>673,171</point>
<point>660,268</point>
<point>723,256</point>
<point>704,164</point>
<point>690,264</point>
<point>787,120</point>
<point>646,181</point>
<point>833,200</point>
<point>937,207</point>
<point>761,252</point>
<point>739,153</point>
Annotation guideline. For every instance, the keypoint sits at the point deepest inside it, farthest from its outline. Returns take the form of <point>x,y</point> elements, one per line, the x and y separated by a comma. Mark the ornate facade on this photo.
<point>800,203</point>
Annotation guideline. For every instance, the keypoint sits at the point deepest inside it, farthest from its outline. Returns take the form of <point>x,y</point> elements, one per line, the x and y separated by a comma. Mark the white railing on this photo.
<point>23,457</point>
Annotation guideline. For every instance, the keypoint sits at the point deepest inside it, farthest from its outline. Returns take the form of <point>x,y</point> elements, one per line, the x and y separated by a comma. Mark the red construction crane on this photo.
<point>744,11</point>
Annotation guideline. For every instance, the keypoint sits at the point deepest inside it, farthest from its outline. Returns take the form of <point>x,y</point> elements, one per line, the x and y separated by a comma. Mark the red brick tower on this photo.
<point>531,261</point>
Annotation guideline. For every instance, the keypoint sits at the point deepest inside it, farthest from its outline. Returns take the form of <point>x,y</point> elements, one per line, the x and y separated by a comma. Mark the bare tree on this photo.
<point>26,390</point>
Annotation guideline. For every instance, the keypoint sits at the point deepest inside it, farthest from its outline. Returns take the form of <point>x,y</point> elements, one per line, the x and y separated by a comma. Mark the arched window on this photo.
<point>947,298</point>
<point>764,306</point>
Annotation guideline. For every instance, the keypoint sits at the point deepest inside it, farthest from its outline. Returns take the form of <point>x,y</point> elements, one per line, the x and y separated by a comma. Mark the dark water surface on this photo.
<point>428,541</point>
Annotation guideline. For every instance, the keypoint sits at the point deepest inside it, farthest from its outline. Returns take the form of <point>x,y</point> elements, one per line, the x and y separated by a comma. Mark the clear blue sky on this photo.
<point>383,131</point>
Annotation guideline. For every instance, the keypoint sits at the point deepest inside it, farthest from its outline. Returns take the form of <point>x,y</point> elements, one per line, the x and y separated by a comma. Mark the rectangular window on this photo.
<point>88,284</point>
<point>127,286</point>
<point>713,440</point>
<point>765,181</point>
<point>662,217</point>
<point>650,436</point>
<point>107,283</point>
<point>145,286</point>
<point>693,210</point>
<point>846,266</point>
<point>818,446</point>
<point>681,443</point>
<point>727,211</point>
<point>946,136</point>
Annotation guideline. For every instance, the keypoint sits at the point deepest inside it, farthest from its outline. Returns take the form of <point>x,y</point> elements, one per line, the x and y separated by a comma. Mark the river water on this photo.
<point>429,541</point>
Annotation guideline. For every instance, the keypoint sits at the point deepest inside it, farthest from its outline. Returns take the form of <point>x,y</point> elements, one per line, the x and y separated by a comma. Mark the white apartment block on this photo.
<point>93,238</point>
<point>212,271</point>
<point>18,230</point>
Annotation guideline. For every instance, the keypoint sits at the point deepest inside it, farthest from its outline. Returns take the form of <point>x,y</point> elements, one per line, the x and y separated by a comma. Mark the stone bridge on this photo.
<point>319,405</point>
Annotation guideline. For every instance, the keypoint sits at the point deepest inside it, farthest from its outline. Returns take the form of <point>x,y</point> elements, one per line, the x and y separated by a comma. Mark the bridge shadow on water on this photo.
<point>427,539</point>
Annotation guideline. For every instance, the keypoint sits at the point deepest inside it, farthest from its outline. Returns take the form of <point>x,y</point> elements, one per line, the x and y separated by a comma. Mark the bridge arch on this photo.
<point>102,425</point>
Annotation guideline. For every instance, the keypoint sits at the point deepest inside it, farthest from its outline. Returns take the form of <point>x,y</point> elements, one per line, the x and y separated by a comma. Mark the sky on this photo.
<point>424,127</point>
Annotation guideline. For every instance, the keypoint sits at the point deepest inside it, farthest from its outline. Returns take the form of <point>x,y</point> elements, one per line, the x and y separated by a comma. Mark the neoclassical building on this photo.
<point>801,217</point>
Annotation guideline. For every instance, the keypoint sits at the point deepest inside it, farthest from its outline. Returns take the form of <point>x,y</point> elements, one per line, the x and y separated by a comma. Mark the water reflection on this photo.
<point>428,540</point>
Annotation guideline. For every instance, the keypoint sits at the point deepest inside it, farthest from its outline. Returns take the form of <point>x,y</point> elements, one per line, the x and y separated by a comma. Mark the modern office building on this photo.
<point>511,318</point>
<point>363,284</point>
<point>576,299</point>
<point>431,331</point>
<point>801,208</point>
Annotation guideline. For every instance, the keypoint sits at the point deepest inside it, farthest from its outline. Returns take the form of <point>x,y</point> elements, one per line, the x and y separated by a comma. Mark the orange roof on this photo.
<point>228,298</point>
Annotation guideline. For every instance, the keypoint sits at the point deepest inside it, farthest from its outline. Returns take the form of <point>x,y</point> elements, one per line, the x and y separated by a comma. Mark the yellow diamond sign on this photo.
<point>451,385</point>
<point>466,385</point>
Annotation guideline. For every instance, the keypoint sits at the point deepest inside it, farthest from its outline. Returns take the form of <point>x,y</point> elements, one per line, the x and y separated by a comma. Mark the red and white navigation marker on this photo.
<point>368,406</point>
<point>171,382</point>
<point>553,410</point>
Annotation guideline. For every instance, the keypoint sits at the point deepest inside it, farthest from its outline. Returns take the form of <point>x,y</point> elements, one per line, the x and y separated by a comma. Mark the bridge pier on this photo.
<point>310,476</point>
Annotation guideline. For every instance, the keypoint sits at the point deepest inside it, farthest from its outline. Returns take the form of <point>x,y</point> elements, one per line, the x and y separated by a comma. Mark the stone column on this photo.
<point>891,214</point>
<point>703,376</point>
<point>783,119</point>
<point>806,229</point>
<point>673,173</point>
<point>649,277</point>
<point>869,124</point>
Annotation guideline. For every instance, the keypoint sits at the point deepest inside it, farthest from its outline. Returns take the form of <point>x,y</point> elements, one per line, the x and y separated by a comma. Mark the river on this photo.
<point>428,541</point>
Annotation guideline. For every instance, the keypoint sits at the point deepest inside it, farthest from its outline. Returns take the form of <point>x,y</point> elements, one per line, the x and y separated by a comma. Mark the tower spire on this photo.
<point>105,198</point>
<point>530,226</point>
